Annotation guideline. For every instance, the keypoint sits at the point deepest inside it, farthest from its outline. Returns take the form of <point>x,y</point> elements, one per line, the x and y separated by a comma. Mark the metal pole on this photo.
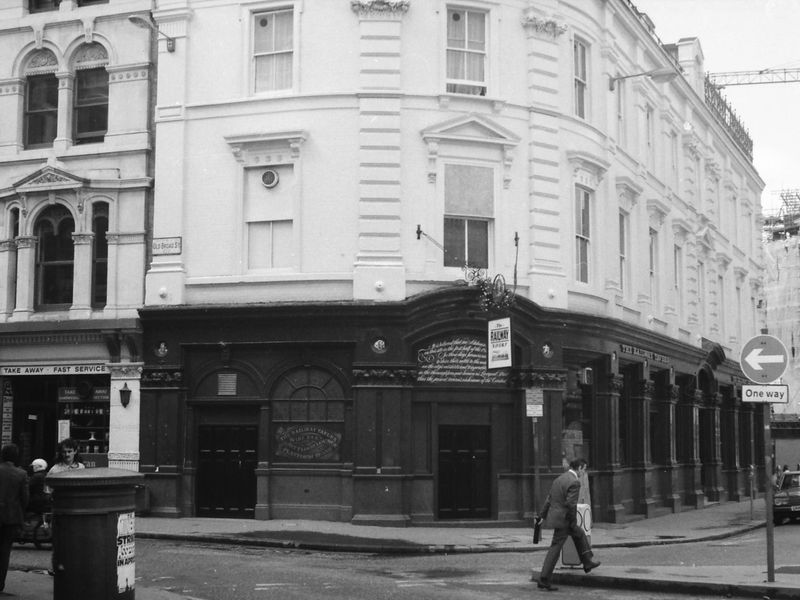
<point>536,483</point>
<point>768,469</point>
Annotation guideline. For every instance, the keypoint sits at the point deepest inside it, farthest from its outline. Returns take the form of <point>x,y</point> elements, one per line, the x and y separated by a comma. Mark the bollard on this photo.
<point>93,533</point>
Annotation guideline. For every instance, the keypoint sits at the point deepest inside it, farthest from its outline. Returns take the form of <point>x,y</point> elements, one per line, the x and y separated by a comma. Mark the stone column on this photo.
<point>693,483</point>
<point>547,265</point>
<point>123,448</point>
<point>641,467</point>
<point>379,273</point>
<point>82,276</point>
<point>26,276</point>
<point>605,443</point>
<point>8,277</point>
<point>63,139</point>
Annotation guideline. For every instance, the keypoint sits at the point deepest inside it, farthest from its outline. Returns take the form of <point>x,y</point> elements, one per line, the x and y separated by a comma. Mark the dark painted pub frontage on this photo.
<point>387,413</point>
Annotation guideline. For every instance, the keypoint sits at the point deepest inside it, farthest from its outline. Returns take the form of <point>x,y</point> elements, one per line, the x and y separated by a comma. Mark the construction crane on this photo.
<point>721,80</point>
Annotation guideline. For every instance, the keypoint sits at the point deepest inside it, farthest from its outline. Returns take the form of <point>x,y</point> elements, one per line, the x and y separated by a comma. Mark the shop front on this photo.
<point>390,414</point>
<point>64,384</point>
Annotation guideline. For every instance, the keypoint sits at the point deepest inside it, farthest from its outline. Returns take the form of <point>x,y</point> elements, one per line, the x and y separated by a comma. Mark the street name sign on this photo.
<point>775,394</point>
<point>764,359</point>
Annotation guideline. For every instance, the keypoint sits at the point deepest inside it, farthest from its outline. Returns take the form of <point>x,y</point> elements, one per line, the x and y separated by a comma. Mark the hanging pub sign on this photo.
<point>499,343</point>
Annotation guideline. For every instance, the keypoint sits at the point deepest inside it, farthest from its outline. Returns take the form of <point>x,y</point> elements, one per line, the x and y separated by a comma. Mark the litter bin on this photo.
<point>93,533</point>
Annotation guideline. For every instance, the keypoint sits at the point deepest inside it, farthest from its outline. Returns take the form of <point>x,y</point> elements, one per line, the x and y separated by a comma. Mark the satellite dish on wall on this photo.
<point>269,178</point>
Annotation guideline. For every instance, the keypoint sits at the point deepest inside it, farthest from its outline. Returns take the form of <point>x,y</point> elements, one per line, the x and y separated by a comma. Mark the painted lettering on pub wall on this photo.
<point>456,359</point>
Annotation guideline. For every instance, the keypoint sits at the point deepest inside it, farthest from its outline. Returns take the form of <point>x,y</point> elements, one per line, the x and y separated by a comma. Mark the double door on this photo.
<point>464,472</point>
<point>226,478</point>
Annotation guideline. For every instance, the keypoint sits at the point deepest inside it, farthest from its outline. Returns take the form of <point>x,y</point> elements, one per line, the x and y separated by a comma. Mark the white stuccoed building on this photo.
<point>345,192</point>
<point>75,198</point>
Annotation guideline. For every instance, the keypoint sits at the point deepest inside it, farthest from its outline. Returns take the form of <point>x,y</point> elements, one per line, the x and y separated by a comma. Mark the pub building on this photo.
<point>388,414</point>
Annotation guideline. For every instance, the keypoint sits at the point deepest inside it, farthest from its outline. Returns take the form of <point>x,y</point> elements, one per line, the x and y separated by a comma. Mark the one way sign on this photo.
<point>763,359</point>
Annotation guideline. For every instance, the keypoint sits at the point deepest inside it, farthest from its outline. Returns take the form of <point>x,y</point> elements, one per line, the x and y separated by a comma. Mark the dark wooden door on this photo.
<point>464,472</point>
<point>226,478</point>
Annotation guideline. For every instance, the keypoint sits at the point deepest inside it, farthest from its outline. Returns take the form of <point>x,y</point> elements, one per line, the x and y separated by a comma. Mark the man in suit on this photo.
<point>561,511</point>
<point>13,500</point>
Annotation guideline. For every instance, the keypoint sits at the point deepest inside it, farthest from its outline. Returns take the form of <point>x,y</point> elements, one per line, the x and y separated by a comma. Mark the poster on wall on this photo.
<point>8,413</point>
<point>126,555</point>
<point>499,343</point>
<point>63,430</point>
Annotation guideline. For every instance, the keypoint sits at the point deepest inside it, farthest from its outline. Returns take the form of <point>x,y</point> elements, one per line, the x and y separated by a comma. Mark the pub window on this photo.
<point>308,416</point>
<point>54,257</point>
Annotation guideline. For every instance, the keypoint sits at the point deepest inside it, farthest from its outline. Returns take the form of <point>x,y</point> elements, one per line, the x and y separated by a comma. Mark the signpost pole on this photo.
<point>768,469</point>
<point>763,360</point>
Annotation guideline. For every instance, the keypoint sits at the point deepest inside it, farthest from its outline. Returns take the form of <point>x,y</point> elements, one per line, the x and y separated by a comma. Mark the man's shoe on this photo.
<point>590,565</point>
<point>546,586</point>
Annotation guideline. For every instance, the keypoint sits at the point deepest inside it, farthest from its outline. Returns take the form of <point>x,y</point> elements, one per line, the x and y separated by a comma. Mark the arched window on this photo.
<point>41,99</point>
<point>308,416</point>
<point>100,255</point>
<point>13,234</point>
<point>54,257</point>
<point>90,96</point>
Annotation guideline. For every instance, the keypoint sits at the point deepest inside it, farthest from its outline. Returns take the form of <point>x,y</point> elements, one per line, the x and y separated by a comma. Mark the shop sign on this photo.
<point>499,343</point>
<point>648,354</point>
<point>70,394</point>
<point>126,552</point>
<point>95,369</point>
<point>456,359</point>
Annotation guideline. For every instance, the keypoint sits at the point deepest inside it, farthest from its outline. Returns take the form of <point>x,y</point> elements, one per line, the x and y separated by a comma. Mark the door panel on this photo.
<point>226,480</point>
<point>464,472</point>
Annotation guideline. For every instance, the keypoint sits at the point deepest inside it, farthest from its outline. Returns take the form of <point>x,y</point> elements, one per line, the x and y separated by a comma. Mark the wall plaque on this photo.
<point>457,359</point>
<point>307,442</point>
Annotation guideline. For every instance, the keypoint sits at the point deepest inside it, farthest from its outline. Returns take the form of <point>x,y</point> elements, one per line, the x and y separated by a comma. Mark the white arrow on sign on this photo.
<point>755,360</point>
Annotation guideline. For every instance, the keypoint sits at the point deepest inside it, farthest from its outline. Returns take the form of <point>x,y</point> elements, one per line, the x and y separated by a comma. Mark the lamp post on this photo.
<point>660,75</point>
<point>144,23</point>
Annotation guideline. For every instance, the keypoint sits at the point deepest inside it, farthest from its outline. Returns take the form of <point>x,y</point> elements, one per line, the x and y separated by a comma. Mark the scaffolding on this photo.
<point>785,221</point>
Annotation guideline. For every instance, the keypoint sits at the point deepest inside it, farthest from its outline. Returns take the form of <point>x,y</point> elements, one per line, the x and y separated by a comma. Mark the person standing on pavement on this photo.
<point>561,512</point>
<point>13,500</point>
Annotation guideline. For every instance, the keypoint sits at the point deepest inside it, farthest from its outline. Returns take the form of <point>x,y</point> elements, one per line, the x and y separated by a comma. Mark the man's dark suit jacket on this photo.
<point>13,494</point>
<point>561,507</point>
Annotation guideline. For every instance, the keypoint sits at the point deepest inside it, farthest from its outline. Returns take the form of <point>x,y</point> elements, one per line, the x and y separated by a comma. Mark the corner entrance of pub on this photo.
<point>226,479</point>
<point>464,471</point>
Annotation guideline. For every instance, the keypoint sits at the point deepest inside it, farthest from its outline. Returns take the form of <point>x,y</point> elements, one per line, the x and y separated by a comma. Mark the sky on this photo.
<point>745,35</point>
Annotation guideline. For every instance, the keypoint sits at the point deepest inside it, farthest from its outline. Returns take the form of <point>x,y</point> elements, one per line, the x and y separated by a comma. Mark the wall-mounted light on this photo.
<point>144,23</point>
<point>125,395</point>
<point>660,75</point>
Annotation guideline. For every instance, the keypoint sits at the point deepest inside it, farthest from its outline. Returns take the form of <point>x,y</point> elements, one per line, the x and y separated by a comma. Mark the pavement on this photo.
<point>714,522</point>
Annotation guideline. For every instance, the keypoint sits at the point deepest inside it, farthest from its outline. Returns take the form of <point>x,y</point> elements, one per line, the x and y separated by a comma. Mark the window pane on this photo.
<point>57,284</point>
<point>454,242</point>
<point>257,244</point>
<point>456,29</point>
<point>478,244</point>
<point>282,244</point>
<point>476,37</point>
<point>42,128</point>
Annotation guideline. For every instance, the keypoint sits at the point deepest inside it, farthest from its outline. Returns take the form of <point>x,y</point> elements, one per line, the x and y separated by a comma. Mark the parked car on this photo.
<point>786,499</point>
